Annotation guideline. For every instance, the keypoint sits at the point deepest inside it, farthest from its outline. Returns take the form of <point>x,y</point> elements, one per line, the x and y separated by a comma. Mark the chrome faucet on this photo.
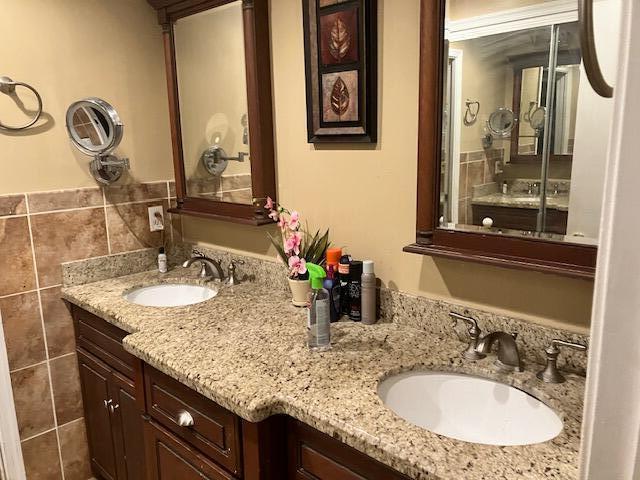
<point>550,374</point>
<point>232,279</point>
<point>508,356</point>
<point>470,353</point>
<point>209,268</point>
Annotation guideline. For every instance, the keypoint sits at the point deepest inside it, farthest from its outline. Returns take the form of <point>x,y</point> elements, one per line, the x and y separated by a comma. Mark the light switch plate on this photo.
<point>156,218</point>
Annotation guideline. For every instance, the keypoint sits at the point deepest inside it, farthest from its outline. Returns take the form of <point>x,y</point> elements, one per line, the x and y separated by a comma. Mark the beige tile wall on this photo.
<point>38,231</point>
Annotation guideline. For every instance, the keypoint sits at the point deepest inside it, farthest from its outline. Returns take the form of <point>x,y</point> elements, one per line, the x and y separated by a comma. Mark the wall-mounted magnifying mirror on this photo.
<point>96,129</point>
<point>501,122</point>
<point>536,119</point>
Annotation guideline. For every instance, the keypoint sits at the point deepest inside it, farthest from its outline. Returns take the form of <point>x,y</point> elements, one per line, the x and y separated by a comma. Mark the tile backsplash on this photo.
<point>39,231</point>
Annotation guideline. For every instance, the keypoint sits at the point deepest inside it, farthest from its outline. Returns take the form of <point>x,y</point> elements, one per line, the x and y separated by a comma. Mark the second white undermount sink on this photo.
<point>170,295</point>
<point>469,408</point>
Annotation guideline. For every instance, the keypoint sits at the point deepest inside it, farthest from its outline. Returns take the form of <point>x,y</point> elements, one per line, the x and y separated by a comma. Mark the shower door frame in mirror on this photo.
<point>259,103</point>
<point>529,253</point>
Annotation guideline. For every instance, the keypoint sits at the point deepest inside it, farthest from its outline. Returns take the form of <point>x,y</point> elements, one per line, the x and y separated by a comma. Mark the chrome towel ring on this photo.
<point>8,87</point>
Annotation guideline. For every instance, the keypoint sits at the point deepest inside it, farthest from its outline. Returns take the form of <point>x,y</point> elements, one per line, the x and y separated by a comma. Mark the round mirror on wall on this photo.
<point>95,129</point>
<point>537,118</point>
<point>501,122</point>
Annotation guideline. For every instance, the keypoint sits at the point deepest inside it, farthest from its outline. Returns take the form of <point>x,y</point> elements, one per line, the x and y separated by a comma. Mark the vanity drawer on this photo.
<point>316,456</point>
<point>104,340</point>
<point>214,430</point>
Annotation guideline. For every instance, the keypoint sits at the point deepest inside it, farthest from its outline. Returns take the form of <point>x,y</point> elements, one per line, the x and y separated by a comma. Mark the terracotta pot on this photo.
<point>299,292</point>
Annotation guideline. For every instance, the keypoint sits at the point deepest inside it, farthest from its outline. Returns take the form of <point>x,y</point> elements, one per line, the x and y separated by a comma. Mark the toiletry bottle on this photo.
<point>318,316</point>
<point>355,298</point>
<point>332,286</point>
<point>505,187</point>
<point>333,258</point>
<point>343,270</point>
<point>162,261</point>
<point>369,294</point>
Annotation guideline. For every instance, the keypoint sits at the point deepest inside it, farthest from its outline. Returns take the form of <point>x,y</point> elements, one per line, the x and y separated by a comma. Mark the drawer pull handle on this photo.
<point>184,419</point>
<point>107,403</point>
<point>113,408</point>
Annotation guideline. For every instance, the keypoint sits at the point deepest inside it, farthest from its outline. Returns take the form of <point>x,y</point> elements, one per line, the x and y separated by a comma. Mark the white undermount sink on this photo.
<point>170,295</point>
<point>469,408</point>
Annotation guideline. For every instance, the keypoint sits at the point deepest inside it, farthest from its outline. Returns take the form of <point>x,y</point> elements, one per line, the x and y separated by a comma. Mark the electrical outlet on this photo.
<point>156,218</point>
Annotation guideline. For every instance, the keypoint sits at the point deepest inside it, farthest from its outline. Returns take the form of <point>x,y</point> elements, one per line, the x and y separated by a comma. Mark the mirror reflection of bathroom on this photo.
<point>517,156</point>
<point>210,63</point>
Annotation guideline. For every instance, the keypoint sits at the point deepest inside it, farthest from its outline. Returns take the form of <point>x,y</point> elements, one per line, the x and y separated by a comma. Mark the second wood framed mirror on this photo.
<point>511,153</point>
<point>218,63</point>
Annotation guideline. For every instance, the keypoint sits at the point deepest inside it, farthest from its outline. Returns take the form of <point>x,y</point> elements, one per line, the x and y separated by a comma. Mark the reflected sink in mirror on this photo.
<point>170,295</point>
<point>469,408</point>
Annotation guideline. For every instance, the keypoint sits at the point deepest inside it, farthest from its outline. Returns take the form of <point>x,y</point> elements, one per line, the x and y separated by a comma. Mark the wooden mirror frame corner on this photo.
<point>526,253</point>
<point>259,104</point>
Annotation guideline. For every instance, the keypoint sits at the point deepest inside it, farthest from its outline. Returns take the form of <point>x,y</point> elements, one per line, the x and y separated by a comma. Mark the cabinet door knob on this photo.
<point>184,419</point>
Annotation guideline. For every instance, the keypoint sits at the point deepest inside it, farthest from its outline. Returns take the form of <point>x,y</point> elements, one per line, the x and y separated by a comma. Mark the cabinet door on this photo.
<point>94,377</point>
<point>169,458</point>
<point>316,456</point>
<point>128,428</point>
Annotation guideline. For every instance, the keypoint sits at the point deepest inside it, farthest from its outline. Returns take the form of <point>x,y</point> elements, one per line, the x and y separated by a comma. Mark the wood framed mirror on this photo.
<point>527,199</point>
<point>218,61</point>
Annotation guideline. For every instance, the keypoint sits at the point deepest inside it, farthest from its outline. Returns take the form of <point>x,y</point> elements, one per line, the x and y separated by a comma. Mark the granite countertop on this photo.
<point>245,349</point>
<point>560,202</point>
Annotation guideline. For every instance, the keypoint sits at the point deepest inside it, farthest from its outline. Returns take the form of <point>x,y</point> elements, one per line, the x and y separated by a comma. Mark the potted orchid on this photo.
<point>297,247</point>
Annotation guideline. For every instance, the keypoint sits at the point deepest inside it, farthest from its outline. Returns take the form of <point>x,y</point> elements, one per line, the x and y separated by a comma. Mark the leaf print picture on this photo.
<point>339,37</point>
<point>340,97</point>
<point>340,40</point>
<point>341,65</point>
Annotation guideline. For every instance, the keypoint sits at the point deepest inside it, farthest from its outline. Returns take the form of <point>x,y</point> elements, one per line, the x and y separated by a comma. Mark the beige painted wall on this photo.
<point>486,79</point>
<point>459,9</point>
<point>211,78</point>
<point>367,195</point>
<point>71,49</point>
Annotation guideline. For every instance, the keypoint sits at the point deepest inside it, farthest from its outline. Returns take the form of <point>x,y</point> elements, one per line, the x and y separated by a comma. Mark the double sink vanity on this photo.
<point>188,378</point>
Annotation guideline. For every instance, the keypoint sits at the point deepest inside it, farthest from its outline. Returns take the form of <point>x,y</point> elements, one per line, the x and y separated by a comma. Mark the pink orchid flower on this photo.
<point>282,222</point>
<point>294,222</point>
<point>297,266</point>
<point>274,215</point>
<point>293,243</point>
<point>269,205</point>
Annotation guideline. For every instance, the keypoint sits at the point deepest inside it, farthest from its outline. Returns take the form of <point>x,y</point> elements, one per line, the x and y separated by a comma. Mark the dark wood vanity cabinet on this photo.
<point>312,455</point>
<point>109,376</point>
<point>520,218</point>
<point>144,425</point>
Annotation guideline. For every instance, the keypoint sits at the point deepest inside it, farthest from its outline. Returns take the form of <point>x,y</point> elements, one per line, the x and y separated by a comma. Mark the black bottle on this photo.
<point>355,289</point>
<point>332,285</point>
<point>343,270</point>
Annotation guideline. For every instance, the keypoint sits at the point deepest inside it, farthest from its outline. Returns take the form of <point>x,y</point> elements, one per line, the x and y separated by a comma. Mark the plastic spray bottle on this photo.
<point>318,315</point>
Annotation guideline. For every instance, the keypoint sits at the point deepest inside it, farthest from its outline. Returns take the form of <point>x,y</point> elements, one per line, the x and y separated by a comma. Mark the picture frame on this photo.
<point>341,70</point>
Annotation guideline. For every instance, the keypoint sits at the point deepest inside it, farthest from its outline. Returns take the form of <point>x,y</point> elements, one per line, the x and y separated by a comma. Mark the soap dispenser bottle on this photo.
<point>318,315</point>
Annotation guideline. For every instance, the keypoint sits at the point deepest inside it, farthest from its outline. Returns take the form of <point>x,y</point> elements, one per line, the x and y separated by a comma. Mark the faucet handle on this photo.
<point>470,352</point>
<point>231,271</point>
<point>551,374</point>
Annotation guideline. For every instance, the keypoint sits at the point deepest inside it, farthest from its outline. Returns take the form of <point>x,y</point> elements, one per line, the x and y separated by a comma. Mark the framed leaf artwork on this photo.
<point>341,70</point>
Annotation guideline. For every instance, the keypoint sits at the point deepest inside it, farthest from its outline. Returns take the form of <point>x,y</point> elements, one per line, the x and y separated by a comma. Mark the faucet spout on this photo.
<point>209,268</point>
<point>508,355</point>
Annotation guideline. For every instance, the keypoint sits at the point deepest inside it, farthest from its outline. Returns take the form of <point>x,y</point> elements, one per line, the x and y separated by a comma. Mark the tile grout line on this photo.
<point>106,220</point>
<point>37,364</point>
<point>37,435</point>
<point>57,285</point>
<point>44,337</point>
